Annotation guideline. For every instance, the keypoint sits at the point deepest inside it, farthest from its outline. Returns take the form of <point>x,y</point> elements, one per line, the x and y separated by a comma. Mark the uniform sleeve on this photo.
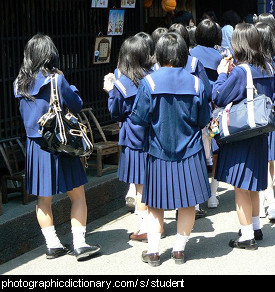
<point>115,105</point>
<point>141,112</point>
<point>229,88</point>
<point>204,108</point>
<point>201,73</point>
<point>69,95</point>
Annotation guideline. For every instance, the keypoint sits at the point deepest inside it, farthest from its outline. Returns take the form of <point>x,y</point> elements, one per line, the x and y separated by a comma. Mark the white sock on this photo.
<point>256,223</point>
<point>197,207</point>
<point>269,196</point>
<point>52,240</point>
<point>180,242</point>
<point>132,191</point>
<point>142,216</point>
<point>153,242</point>
<point>79,236</point>
<point>214,186</point>
<point>247,232</point>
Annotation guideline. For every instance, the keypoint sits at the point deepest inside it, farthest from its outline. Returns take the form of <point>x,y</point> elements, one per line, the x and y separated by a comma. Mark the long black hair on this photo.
<point>134,60</point>
<point>40,54</point>
<point>247,45</point>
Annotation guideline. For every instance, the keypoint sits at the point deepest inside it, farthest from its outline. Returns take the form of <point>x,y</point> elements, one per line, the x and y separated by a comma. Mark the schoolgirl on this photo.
<point>195,67</point>
<point>134,63</point>
<point>48,174</point>
<point>268,45</point>
<point>244,164</point>
<point>208,35</point>
<point>174,113</point>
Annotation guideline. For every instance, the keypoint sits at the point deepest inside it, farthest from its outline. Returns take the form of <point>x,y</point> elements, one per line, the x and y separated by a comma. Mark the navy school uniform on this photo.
<point>271,135</point>
<point>173,105</point>
<point>242,164</point>
<point>131,137</point>
<point>210,59</point>
<point>48,174</point>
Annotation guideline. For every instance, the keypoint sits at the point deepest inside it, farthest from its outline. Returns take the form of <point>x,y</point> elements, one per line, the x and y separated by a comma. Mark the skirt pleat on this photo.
<point>244,164</point>
<point>48,174</point>
<point>271,146</point>
<point>176,184</point>
<point>131,165</point>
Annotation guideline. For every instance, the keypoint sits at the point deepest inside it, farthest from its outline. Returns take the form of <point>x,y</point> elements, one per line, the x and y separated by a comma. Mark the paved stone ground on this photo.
<point>207,251</point>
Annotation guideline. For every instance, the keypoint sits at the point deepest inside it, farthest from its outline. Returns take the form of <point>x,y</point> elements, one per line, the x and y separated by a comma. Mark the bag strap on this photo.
<point>250,89</point>
<point>55,103</point>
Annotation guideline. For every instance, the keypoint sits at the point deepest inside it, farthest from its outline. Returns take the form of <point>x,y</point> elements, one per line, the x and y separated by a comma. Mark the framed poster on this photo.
<point>128,3</point>
<point>116,22</point>
<point>99,3</point>
<point>102,51</point>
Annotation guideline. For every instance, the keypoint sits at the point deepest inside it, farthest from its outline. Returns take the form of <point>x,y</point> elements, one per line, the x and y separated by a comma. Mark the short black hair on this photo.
<point>157,33</point>
<point>208,33</point>
<point>181,30</point>
<point>171,49</point>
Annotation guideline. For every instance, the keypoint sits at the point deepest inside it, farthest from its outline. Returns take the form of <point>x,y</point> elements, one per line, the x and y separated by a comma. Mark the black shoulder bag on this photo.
<point>63,133</point>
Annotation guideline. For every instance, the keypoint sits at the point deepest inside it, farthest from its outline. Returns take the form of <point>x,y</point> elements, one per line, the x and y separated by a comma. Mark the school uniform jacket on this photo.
<point>210,59</point>
<point>31,111</point>
<point>120,103</point>
<point>232,87</point>
<point>173,104</point>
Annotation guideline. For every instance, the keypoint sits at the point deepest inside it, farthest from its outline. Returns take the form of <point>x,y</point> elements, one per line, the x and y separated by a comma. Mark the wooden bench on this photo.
<point>102,146</point>
<point>13,153</point>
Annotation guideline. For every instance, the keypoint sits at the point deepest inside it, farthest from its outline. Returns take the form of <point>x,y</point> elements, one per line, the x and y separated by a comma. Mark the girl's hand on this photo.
<point>109,81</point>
<point>223,66</point>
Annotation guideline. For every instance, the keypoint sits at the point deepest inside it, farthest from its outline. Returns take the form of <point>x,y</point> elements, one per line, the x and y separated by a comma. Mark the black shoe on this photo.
<point>200,213</point>
<point>249,244</point>
<point>258,235</point>
<point>86,251</point>
<point>52,253</point>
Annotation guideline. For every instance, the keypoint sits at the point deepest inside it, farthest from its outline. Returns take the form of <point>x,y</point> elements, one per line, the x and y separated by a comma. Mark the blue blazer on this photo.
<point>173,105</point>
<point>31,111</point>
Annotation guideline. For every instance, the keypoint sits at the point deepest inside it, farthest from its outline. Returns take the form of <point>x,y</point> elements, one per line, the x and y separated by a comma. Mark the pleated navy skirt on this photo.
<point>176,184</point>
<point>271,146</point>
<point>48,174</point>
<point>131,165</point>
<point>244,164</point>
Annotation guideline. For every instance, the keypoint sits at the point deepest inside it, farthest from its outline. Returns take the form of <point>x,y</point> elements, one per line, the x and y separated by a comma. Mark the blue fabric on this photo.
<point>174,112</point>
<point>242,164</point>
<point>48,174</point>
<point>120,107</point>
<point>271,146</point>
<point>209,57</point>
<point>196,68</point>
<point>176,184</point>
<point>131,165</point>
<point>31,111</point>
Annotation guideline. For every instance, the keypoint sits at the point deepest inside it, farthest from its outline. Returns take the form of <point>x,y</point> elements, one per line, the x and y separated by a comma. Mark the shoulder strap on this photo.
<point>250,86</point>
<point>54,92</point>
<point>250,96</point>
